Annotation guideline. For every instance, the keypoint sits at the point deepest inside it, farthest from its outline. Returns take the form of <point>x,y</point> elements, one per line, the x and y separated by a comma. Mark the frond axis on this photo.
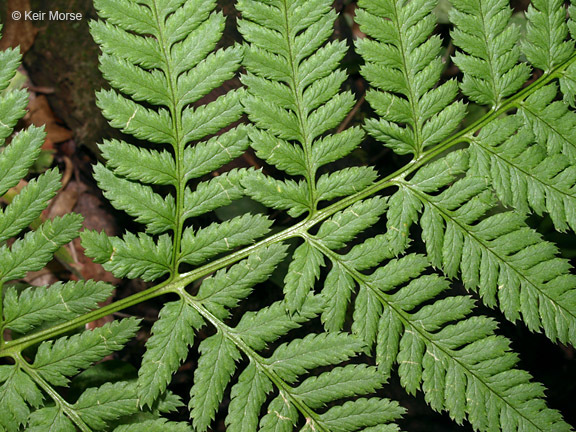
<point>307,145</point>
<point>412,99</point>
<point>176,115</point>
<point>360,279</point>
<point>302,227</point>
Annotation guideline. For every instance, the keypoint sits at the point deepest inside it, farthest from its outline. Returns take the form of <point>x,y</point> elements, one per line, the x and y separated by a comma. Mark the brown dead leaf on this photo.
<point>41,114</point>
<point>18,33</point>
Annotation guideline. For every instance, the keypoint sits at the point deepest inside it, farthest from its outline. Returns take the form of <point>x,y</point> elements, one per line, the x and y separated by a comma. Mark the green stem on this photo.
<point>14,347</point>
<point>11,348</point>
<point>59,400</point>
<point>256,359</point>
<point>302,116</point>
<point>1,314</point>
<point>178,146</point>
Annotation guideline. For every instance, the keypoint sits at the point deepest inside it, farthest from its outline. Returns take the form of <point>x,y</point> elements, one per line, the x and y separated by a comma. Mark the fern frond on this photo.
<point>18,394</point>
<point>292,360</point>
<point>403,63</point>
<point>10,60</point>
<point>551,122</point>
<point>546,46</point>
<point>303,271</point>
<point>490,54</point>
<point>216,238</point>
<point>288,57</point>
<point>267,366</point>
<point>64,357</point>
<point>498,255</point>
<point>99,407</point>
<point>132,256</point>
<point>173,68</point>
<point>218,357</point>
<point>21,399</point>
<point>158,425</point>
<point>36,248</point>
<point>28,204</point>
<point>279,371</point>
<point>49,419</point>
<point>226,288</point>
<point>523,175</point>
<point>18,157</point>
<point>60,302</point>
<point>457,361</point>
<point>172,335</point>
<point>12,108</point>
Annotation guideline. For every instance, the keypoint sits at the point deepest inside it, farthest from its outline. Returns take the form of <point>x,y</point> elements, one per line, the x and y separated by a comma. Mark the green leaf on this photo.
<point>36,248</point>
<point>278,194</point>
<point>18,157</point>
<point>137,164</point>
<point>281,416</point>
<point>134,119</point>
<point>294,99</point>
<point>98,406</point>
<point>210,118</point>
<point>12,108</point>
<point>209,155</point>
<point>301,355</point>
<point>210,73</point>
<point>172,335</point>
<point>115,41</point>
<point>10,60</point>
<point>489,59</point>
<point>337,291</point>
<point>361,413</point>
<point>303,271</point>
<point>60,302</point>
<point>227,287</point>
<point>344,226</point>
<point>216,365</point>
<point>403,60</point>
<point>132,256</point>
<point>402,213</point>
<point>221,237</point>
<point>441,351</point>
<point>345,182</point>
<point>546,45</point>
<point>49,420</point>
<point>131,17</point>
<point>259,328</point>
<point>18,394</point>
<point>523,175</point>
<point>141,202</point>
<point>552,122</point>
<point>339,383</point>
<point>333,147</point>
<point>247,397</point>
<point>28,204</point>
<point>158,425</point>
<point>507,262</point>
<point>135,81</point>
<point>65,356</point>
<point>213,194</point>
